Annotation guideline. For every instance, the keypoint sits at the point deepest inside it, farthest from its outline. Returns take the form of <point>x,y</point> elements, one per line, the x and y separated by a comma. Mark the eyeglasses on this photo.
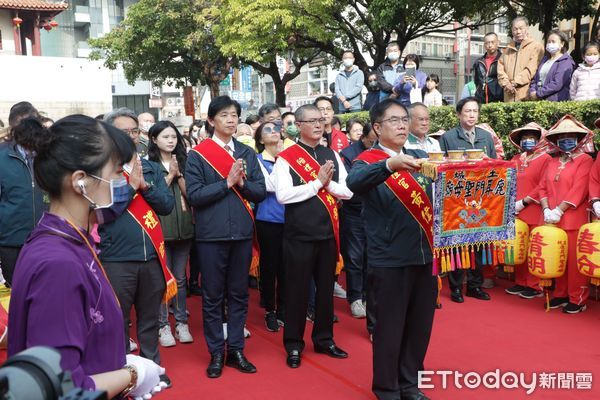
<point>132,131</point>
<point>323,109</point>
<point>395,120</point>
<point>319,121</point>
<point>267,130</point>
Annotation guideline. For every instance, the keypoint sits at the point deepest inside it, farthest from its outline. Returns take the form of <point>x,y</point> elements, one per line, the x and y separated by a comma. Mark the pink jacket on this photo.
<point>585,83</point>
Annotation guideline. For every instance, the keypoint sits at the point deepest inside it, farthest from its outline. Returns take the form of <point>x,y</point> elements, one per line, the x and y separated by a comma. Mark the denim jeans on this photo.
<point>178,252</point>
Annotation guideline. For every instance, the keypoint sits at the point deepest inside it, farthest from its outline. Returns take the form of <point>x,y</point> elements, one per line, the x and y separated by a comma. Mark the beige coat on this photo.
<point>519,67</point>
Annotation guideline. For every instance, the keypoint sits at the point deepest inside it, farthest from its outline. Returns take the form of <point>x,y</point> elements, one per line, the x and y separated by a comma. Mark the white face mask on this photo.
<point>552,48</point>
<point>348,62</point>
<point>394,56</point>
<point>591,60</point>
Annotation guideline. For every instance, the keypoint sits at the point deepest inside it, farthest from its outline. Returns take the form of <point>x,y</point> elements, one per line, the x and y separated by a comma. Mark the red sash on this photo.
<point>145,216</point>
<point>406,189</point>
<point>307,168</point>
<point>221,161</point>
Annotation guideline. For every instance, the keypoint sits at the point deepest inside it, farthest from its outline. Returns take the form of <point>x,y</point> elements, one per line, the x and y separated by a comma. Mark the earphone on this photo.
<point>81,185</point>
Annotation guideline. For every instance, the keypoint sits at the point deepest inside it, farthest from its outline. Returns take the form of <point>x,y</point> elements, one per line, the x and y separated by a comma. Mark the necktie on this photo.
<point>228,149</point>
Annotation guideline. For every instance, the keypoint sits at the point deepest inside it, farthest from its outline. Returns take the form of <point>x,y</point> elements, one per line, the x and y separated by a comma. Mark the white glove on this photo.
<point>519,206</point>
<point>149,373</point>
<point>553,216</point>
<point>596,207</point>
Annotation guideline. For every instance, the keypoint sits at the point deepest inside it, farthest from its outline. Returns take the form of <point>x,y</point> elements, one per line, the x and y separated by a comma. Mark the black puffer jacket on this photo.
<point>488,89</point>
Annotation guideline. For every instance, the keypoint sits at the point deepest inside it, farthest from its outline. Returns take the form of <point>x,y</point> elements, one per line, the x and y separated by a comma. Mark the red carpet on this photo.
<point>507,333</point>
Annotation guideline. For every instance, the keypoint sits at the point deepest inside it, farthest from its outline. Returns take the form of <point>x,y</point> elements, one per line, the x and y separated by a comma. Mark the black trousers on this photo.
<point>404,309</point>
<point>353,242</point>
<point>270,240</point>
<point>141,285</point>
<point>224,272</point>
<point>8,260</point>
<point>194,265</point>
<point>474,276</point>
<point>304,260</point>
<point>371,301</point>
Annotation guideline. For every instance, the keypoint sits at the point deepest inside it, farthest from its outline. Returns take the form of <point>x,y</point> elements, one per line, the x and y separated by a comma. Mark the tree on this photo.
<point>258,31</point>
<point>165,41</point>
<point>369,25</point>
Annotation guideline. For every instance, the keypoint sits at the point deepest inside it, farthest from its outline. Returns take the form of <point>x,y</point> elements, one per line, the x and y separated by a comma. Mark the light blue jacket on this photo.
<point>350,87</point>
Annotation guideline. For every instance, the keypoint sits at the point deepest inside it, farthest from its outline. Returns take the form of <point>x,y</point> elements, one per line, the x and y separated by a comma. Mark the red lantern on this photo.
<point>17,21</point>
<point>53,23</point>
<point>47,27</point>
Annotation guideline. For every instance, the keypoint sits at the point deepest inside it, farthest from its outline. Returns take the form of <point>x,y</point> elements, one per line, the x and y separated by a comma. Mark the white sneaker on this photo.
<point>338,291</point>
<point>165,337</point>
<point>357,309</point>
<point>225,331</point>
<point>182,333</point>
<point>246,332</point>
<point>132,345</point>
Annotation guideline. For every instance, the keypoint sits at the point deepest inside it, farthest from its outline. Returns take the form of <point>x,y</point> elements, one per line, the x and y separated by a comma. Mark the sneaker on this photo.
<point>165,382</point>
<point>132,345</point>
<point>488,283</point>
<point>515,289</point>
<point>310,315</point>
<point>271,322</point>
<point>182,333</point>
<point>530,293</point>
<point>246,332</point>
<point>573,308</point>
<point>357,309</point>
<point>225,331</point>
<point>165,337</point>
<point>338,291</point>
<point>280,318</point>
<point>558,302</point>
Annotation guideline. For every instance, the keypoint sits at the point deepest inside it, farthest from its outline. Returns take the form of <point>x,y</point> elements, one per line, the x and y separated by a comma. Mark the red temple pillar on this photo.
<point>17,38</point>
<point>188,101</point>
<point>36,45</point>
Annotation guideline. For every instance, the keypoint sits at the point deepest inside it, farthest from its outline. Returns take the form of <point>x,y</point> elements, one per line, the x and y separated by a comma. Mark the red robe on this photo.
<point>571,186</point>
<point>594,187</point>
<point>530,171</point>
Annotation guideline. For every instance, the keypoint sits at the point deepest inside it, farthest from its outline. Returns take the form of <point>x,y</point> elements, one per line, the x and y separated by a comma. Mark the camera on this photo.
<point>35,374</point>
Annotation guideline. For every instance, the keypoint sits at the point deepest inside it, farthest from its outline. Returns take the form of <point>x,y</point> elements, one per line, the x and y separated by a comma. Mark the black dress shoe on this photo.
<point>478,294</point>
<point>237,360</point>
<point>414,396</point>
<point>456,296</point>
<point>293,359</point>
<point>215,368</point>
<point>332,351</point>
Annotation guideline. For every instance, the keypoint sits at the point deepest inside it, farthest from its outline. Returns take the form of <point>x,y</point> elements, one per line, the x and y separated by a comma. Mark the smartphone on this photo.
<point>411,71</point>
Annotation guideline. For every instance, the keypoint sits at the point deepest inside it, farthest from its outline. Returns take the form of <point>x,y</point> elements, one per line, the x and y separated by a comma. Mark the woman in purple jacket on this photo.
<point>553,77</point>
<point>61,297</point>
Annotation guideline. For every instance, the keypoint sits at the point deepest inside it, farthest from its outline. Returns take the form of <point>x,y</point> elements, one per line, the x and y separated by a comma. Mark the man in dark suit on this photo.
<point>398,214</point>
<point>222,178</point>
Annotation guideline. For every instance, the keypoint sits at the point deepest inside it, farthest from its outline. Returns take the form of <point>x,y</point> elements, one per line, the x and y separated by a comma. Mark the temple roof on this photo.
<point>36,5</point>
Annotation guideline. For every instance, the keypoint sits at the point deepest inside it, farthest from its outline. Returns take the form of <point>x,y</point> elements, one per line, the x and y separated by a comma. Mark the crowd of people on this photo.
<point>526,70</point>
<point>99,216</point>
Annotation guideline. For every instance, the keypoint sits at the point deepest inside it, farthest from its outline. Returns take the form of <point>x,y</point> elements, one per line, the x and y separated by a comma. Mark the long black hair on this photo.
<point>154,151</point>
<point>76,142</point>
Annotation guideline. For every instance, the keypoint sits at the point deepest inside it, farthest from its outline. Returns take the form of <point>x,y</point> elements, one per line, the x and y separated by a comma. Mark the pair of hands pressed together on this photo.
<point>236,174</point>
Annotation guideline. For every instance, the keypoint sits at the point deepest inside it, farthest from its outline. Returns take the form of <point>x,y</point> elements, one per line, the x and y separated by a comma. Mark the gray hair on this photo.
<point>299,113</point>
<point>110,117</point>
<point>414,106</point>
<point>520,19</point>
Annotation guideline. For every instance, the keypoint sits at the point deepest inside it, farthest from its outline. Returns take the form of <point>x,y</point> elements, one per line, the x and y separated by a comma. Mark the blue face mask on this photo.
<point>528,144</point>
<point>567,144</point>
<point>119,200</point>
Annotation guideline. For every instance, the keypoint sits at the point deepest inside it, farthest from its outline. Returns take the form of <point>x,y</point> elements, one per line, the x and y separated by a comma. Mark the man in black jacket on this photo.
<point>485,72</point>
<point>127,251</point>
<point>222,176</point>
<point>398,215</point>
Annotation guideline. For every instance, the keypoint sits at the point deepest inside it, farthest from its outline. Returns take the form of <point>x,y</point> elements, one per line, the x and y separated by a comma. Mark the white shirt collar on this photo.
<point>222,144</point>
<point>390,152</point>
